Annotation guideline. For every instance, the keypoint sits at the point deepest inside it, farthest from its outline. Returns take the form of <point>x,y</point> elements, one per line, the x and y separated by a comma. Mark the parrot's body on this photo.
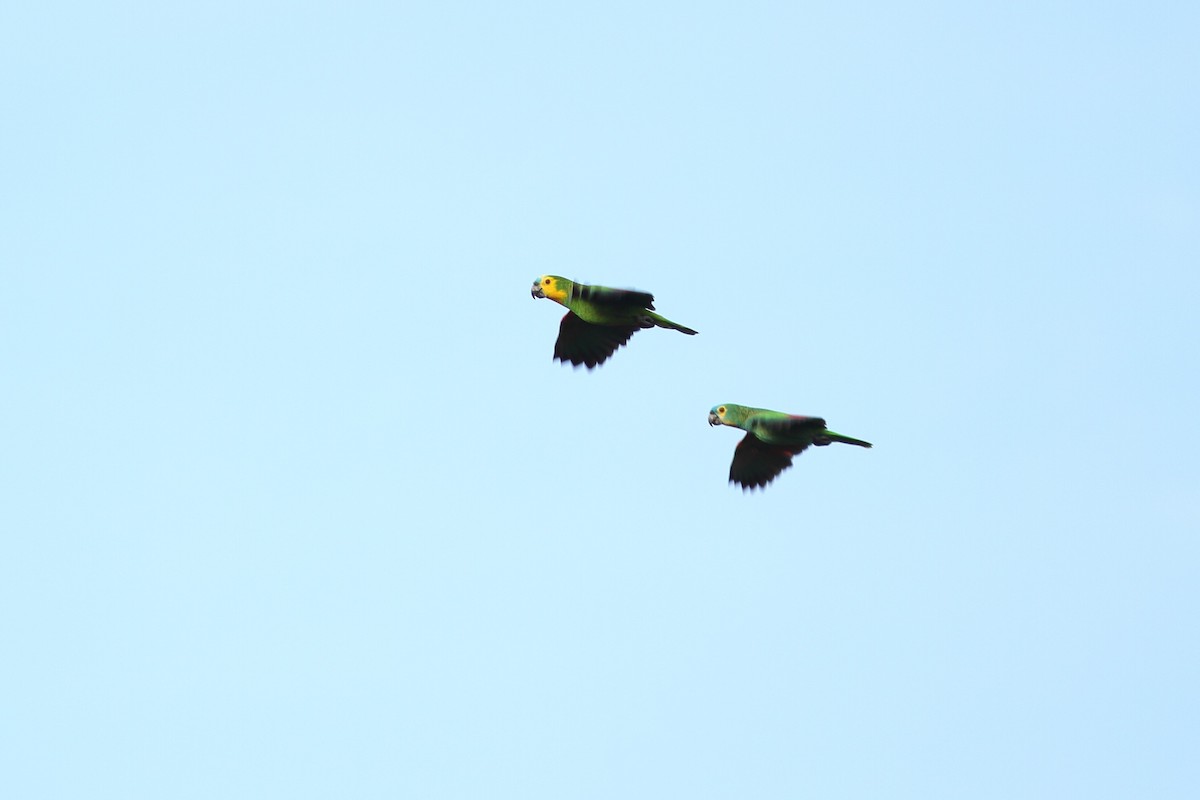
<point>598,319</point>
<point>771,439</point>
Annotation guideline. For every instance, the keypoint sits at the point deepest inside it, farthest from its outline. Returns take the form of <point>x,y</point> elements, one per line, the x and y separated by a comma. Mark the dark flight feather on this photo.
<point>755,463</point>
<point>581,342</point>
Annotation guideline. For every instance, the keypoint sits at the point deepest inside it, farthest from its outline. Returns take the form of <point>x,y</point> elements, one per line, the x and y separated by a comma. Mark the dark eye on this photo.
<point>721,410</point>
<point>547,281</point>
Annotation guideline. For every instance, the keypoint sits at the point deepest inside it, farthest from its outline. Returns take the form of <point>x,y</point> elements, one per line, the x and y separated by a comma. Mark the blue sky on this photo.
<point>296,504</point>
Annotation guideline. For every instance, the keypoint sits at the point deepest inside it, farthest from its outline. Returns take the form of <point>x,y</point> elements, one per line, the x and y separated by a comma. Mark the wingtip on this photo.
<point>751,487</point>
<point>575,364</point>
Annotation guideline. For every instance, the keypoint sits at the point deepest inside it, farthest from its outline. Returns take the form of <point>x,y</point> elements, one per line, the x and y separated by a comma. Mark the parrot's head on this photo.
<point>727,414</point>
<point>716,415</point>
<point>552,287</point>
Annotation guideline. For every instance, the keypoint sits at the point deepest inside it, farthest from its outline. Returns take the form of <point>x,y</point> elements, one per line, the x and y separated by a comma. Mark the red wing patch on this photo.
<point>755,463</point>
<point>582,342</point>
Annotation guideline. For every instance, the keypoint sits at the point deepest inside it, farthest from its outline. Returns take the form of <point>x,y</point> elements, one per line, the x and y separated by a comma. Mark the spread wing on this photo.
<point>755,463</point>
<point>790,431</point>
<point>582,342</point>
<point>616,299</point>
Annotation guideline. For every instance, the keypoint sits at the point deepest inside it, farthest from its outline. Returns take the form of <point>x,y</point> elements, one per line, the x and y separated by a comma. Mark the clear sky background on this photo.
<point>295,502</point>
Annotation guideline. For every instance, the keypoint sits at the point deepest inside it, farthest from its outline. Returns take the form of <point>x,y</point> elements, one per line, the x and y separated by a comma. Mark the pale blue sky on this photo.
<point>296,504</point>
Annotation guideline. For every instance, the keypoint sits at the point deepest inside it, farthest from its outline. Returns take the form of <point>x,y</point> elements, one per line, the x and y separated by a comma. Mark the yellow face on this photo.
<point>552,287</point>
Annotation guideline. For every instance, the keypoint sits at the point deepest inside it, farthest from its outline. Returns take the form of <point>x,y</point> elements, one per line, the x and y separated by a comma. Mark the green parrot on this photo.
<point>771,439</point>
<point>598,319</point>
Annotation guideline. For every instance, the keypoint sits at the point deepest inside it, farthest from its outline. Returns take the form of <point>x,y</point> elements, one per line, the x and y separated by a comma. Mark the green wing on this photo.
<point>612,299</point>
<point>786,429</point>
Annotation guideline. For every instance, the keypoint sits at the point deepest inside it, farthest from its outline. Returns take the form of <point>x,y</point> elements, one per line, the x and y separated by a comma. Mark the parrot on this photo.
<point>598,319</point>
<point>771,439</point>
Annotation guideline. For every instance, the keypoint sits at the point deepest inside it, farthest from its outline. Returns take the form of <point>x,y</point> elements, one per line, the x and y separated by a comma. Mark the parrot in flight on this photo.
<point>771,439</point>
<point>598,319</point>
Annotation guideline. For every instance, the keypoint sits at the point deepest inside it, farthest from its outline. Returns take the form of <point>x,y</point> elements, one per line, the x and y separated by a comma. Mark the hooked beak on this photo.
<point>537,290</point>
<point>713,419</point>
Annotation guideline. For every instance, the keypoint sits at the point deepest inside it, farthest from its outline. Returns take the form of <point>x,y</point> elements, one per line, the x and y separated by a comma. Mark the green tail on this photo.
<point>830,436</point>
<point>663,322</point>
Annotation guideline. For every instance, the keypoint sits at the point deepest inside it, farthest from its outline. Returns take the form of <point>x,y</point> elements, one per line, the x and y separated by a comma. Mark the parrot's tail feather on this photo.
<point>837,437</point>
<point>663,322</point>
